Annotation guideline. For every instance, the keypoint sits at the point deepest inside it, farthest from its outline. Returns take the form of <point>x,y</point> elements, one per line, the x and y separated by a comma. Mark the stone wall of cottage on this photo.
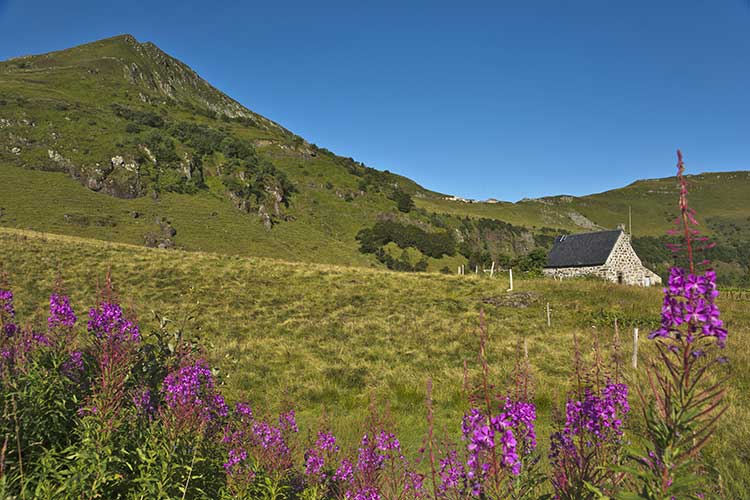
<point>623,265</point>
<point>574,272</point>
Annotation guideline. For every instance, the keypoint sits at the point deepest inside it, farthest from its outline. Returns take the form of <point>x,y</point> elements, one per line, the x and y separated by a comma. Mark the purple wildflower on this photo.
<point>327,442</point>
<point>6,304</point>
<point>369,459</point>
<point>243,410</point>
<point>143,402</point>
<point>592,422</point>
<point>190,394</point>
<point>7,313</point>
<point>367,493</point>
<point>73,367</point>
<point>345,472</point>
<point>452,473</point>
<point>689,300</point>
<point>288,421</point>
<point>315,458</point>
<point>387,441</point>
<point>314,463</point>
<point>108,321</point>
<point>60,312</point>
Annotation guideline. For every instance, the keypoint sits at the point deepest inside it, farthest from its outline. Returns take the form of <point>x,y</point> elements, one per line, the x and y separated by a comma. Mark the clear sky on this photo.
<point>497,99</point>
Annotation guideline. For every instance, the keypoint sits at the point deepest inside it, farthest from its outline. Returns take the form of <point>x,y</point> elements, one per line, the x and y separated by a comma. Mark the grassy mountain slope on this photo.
<point>331,337</point>
<point>63,112</point>
<point>119,141</point>
<point>721,195</point>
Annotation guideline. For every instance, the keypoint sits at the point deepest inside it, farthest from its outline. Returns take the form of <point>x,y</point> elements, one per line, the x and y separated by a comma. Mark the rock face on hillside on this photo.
<point>174,79</point>
<point>112,114</point>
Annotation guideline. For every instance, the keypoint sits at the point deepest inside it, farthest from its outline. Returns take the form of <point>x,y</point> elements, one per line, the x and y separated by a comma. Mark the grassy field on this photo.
<point>331,338</point>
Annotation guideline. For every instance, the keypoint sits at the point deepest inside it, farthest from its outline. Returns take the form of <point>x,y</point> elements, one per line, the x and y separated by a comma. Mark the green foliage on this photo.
<point>403,201</point>
<point>203,139</point>
<point>432,244</point>
<point>534,261</point>
<point>161,146</point>
<point>145,118</point>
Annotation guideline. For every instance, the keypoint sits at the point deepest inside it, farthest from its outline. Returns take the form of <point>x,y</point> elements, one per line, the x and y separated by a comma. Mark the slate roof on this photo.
<point>578,250</point>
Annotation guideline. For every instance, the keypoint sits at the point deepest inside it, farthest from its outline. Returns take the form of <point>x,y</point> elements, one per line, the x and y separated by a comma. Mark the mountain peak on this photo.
<point>155,74</point>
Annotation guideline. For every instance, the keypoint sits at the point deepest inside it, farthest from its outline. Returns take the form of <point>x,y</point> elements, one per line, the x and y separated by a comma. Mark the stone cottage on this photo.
<point>606,254</point>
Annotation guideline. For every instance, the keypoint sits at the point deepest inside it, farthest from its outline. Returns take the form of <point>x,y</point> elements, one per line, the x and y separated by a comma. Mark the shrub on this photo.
<point>145,118</point>
<point>403,201</point>
<point>434,244</point>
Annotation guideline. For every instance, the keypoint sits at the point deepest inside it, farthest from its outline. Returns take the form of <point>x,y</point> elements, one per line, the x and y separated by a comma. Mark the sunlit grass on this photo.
<point>334,338</point>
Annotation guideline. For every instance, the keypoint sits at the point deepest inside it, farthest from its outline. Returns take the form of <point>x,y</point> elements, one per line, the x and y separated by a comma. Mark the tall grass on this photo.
<point>331,339</point>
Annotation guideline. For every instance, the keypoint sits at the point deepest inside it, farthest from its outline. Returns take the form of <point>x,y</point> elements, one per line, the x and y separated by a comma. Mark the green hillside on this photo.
<point>117,140</point>
<point>330,338</point>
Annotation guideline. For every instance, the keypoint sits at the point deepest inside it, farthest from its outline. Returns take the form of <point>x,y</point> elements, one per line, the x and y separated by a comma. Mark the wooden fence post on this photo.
<point>492,269</point>
<point>635,348</point>
<point>510,276</point>
<point>549,320</point>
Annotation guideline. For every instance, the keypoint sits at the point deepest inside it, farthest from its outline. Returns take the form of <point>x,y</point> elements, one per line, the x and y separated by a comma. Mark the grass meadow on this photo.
<point>333,339</point>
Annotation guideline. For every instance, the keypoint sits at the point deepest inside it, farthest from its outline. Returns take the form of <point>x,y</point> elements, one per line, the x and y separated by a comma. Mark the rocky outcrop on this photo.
<point>163,237</point>
<point>582,221</point>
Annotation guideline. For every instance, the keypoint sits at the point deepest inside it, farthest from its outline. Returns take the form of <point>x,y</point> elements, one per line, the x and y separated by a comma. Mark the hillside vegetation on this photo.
<point>117,140</point>
<point>331,338</point>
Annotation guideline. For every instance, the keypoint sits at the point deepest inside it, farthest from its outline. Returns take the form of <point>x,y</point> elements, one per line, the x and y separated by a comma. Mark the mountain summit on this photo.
<point>143,65</point>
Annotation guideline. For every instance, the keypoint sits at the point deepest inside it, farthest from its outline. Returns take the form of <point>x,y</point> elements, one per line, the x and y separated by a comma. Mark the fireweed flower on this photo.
<point>600,415</point>
<point>594,421</point>
<point>143,402</point>
<point>60,312</point>
<point>366,493</point>
<point>315,457</point>
<point>243,410</point>
<point>7,313</point>
<point>73,366</point>
<point>684,407</point>
<point>257,444</point>
<point>369,459</point>
<point>288,421</point>
<point>236,456</point>
<point>589,438</point>
<point>345,472</point>
<point>520,416</point>
<point>452,474</point>
<point>108,321</point>
<point>689,301</point>
<point>6,304</point>
<point>381,470</point>
<point>191,396</point>
<point>505,437</point>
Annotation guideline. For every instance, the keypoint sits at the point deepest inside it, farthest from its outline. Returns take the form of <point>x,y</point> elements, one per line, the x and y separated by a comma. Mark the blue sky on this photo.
<point>496,99</point>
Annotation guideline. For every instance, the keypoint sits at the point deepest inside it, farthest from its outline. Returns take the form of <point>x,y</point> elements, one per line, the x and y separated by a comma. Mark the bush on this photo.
<point>403,201</point>
<point>132,128</point>
<point>433,245</point>
<point>145,118</point>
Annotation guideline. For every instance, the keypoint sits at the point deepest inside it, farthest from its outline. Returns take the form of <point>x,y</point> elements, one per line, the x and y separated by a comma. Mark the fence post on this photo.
<point>525,348</point>
<point>635,348</point>
<point>510,276</point>
<point>549,320</point>
<point>492,269</point>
